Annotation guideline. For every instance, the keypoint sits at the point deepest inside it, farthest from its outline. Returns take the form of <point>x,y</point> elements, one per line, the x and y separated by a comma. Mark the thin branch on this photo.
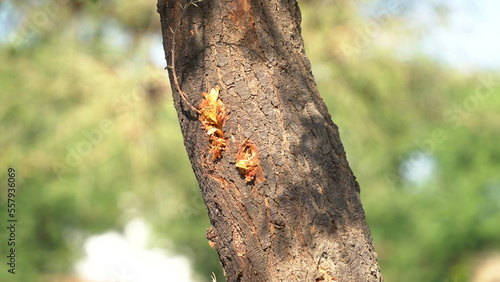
<point>184,96</point>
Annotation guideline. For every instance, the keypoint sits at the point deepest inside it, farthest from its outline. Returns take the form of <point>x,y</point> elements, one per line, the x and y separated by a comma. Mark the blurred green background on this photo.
<point>88,123</point>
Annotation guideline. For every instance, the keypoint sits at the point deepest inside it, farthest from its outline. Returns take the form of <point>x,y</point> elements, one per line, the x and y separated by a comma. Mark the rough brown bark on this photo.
<point>300,217</point>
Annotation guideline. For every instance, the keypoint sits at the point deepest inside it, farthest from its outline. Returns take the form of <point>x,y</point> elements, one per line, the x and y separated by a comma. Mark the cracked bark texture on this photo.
<point>301,218</point>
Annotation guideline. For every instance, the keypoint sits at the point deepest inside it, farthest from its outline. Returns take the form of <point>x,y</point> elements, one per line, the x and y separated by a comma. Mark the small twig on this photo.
<point>172,63</point>
<point>214,278</point>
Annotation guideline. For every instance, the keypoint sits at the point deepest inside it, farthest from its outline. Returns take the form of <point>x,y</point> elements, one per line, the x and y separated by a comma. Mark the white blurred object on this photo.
<point>125,258</point>
<point>487,269</point>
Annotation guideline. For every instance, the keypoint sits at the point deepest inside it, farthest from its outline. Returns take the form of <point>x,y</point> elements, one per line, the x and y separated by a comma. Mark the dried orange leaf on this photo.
<point>212,130</point>
<point>211,106</point>
<point>247,161</point>
<point>212,117</point>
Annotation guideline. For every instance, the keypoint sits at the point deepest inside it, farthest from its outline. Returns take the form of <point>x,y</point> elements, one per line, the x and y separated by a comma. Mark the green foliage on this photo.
<point>87,121</point>
<point>393,113</point>
<point>92,132</point>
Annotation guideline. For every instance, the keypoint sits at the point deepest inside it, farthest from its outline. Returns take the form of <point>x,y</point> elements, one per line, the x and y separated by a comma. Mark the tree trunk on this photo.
<point>283,202</point>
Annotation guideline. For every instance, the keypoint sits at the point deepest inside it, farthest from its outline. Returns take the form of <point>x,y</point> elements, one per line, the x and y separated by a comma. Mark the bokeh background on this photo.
<point>105,190</point>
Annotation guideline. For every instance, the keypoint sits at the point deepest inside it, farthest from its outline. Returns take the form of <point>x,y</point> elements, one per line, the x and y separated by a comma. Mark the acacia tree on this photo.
<point>283,202</point>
